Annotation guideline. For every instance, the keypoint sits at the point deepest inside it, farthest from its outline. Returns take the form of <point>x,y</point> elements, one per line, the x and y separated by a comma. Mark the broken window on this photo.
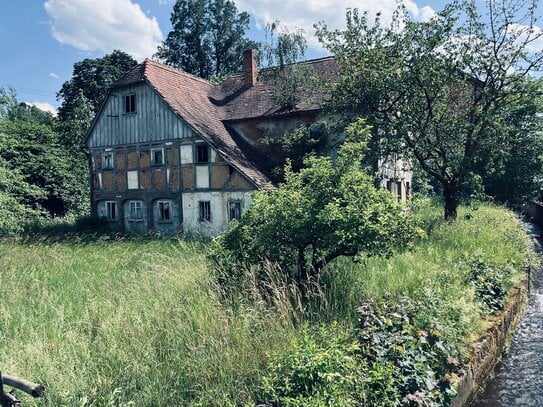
<point>157,156</point>
<point>204,211</point>
<point>130,103</point>
<point>136,211</point>
<point>111,210</point>
<point>164,211</point>
<point>234,210</point>
<point>107,160</point>
<point>202,153</point>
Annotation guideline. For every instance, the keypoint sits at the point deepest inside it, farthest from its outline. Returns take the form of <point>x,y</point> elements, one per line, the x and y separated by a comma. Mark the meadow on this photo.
<point>106,320</point>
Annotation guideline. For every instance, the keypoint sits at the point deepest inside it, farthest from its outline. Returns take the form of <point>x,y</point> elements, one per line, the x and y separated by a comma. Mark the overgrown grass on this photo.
<point>120,321</point>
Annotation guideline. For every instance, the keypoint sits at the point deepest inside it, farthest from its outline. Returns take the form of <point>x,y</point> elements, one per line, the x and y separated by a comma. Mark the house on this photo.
<point>169,151</point>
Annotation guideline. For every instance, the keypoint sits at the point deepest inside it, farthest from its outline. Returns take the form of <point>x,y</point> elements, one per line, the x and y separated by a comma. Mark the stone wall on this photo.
<point>487,351</point>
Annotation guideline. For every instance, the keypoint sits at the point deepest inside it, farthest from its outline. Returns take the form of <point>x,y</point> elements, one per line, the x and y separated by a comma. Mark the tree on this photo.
<point>326,210</point>
<point>436,89</point>
<point>207,38</point>
<point>92,77</point>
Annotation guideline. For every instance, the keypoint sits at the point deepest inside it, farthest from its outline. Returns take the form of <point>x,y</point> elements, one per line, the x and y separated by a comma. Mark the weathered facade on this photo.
<point>171,152</point>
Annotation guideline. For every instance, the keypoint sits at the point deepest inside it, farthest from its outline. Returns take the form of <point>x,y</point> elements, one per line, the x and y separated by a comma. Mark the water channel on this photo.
<point>519,377</point>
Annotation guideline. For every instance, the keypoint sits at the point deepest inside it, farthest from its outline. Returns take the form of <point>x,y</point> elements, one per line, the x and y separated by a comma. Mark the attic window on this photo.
<point>202,153</point>
<point>130,103</point>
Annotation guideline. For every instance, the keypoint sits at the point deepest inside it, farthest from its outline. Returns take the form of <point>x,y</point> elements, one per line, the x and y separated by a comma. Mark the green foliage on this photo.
<point>438,89</point>
<point>326,210</point>
<point>207,38</point>
<point>294,147</point>
<point>320,367</point>
<point>423,363</point>
<point>489,282</point>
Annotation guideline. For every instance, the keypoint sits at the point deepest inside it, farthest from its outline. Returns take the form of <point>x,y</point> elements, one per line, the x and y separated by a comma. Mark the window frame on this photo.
<point>130,103</point>
<point>108,205</point>
<point>200,147</point>
<point>135,207</point>
<point>157,149</point>
<point>237,203</point>
<point>160,207</point>
<point>204,211</point>
<point>110,160</point>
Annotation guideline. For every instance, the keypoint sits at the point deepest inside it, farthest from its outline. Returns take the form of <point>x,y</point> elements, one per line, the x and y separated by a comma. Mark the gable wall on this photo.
<point>153,120</point>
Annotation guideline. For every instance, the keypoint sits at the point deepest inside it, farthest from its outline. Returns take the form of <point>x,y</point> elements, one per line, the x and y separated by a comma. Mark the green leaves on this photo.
<point>324,211</point>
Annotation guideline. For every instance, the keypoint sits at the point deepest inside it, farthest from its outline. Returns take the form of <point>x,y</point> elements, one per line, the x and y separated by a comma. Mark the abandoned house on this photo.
<point>172,152</point>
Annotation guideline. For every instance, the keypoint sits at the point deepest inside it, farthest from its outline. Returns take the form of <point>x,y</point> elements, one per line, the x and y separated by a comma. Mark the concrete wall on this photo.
<point>219,210</point>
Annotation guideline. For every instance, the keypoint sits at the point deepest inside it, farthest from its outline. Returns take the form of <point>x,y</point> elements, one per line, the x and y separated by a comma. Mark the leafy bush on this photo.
<point>423,364</point>
<point>489,283</point>
<point>322,367</point>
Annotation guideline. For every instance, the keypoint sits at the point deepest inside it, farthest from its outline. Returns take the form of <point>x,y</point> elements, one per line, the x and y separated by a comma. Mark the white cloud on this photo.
<point>46,107</point>
<point>305,13</point>
<point>104,25</point>
<point>534,36</point>
<point>54,75</point>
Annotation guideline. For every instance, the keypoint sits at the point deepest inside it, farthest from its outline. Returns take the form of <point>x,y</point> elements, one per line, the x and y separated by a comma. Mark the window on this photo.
<point>407,190</point>
<point>234,210</point>
<point>136,212</point>
<point>130,103</point>
<point>164,211</point>
<point>132,179</point>
<point>389,185</point>
<point>399,191</point>
<point>107,160</point>
<point>204,211</point>
<point>157,156</point>
<point>202,153</point>
<point>111,210</point>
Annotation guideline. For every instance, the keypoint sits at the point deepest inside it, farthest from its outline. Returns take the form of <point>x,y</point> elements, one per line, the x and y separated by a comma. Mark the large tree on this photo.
<point>207,38</point>
<point>436,89</point>
<point>325,210</point>
<point>91,78</point>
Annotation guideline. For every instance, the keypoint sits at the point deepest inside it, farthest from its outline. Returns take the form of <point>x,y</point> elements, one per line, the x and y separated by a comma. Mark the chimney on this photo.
<point>249,67</point>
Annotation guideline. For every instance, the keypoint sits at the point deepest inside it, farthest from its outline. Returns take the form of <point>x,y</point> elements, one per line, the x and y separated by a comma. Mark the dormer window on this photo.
<point>202,153</point>
<point>130,103</point>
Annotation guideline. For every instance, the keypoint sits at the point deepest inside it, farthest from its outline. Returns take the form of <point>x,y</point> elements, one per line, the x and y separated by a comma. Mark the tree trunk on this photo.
<point>452,200</point>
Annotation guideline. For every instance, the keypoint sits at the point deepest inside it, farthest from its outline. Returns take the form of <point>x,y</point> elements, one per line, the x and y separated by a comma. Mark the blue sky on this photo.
<point>41,39</point>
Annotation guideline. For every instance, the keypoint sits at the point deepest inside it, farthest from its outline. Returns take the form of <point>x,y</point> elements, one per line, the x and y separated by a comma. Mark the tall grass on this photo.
<point>142,322</point>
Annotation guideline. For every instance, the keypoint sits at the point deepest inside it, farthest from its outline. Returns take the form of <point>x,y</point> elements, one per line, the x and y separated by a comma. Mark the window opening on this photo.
<point>202,153</point>
<point>107,160</point>
<point>136,212</point>
<point>164,211</point>
<point>234,210</point>
<point>204,211</point>
<point>157,156</point>
<point>130,103</point>
<point>111,210</point>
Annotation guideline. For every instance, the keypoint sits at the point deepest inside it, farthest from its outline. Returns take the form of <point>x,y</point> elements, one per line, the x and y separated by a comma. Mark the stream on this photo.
<point>519,376</point>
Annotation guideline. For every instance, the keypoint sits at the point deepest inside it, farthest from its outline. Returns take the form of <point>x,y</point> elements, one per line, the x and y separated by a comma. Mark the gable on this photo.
<point>152,121</point>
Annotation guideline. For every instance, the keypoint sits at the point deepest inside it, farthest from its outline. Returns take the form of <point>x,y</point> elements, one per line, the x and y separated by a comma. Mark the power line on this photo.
<point>37,92</point>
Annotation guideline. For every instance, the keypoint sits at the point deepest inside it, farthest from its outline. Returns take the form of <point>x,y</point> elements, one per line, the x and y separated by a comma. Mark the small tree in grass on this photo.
<point>326,210</point>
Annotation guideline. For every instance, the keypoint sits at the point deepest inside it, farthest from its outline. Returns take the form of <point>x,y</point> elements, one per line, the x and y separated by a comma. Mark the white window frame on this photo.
<point>204,211</point>
<point>135,208</point>
<point>162,211</point>
<point>109,205</point>
<point>237,205</point>
<point>153,151</point>
<point>108,160</point>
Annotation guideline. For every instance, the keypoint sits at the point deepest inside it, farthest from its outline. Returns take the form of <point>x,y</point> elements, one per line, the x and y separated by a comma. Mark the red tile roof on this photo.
<point>206,107</point>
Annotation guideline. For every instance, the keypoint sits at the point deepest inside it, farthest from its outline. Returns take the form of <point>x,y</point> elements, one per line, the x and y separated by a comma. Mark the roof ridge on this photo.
<point>173,70</point>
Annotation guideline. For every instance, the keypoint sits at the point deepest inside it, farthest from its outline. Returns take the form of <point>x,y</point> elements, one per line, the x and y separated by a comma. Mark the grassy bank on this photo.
<point>114,322</point>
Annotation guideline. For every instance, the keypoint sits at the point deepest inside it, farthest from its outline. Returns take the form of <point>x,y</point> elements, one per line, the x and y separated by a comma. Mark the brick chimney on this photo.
<point>250,68</point>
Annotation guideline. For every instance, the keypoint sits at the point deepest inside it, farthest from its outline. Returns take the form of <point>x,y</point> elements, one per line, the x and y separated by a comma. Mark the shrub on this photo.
<point>489,283</point>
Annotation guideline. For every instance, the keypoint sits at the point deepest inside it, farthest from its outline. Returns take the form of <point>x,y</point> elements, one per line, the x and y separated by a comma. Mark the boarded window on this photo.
<point>111,210</point>
<point>234,210</point>
<point>202,176</point>
<point>130,103</point>
<point>107,160</point>
<point>136,211</point>
<point>164,211</point>
<point>202,153</point>
<point>132,179</point>
<point>157,156</point>
<point>186,154</point>
<point>204,211</point>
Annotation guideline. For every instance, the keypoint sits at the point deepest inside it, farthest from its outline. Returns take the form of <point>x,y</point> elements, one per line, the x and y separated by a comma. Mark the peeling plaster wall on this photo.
<point>219,210</point>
